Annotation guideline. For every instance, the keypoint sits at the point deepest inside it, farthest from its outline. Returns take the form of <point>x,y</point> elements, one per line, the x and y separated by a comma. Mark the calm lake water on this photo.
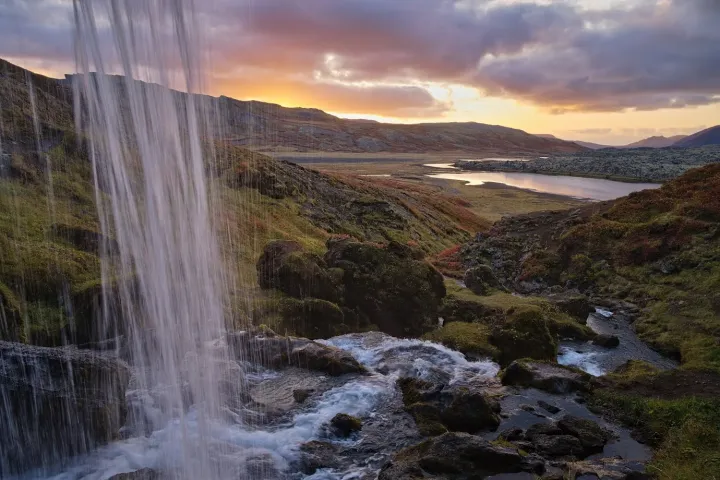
<point>579,187</point>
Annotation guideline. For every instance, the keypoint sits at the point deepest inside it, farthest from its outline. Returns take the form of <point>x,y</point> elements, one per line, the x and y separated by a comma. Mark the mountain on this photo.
<point>709,136</point>
<point>655,142</point>
<point>268,127</point>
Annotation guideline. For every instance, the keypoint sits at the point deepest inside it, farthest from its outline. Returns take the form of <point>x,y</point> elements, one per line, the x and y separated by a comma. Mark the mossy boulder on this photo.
<point>395,291</point>
<point>525,334</point>
<point>312,318</point>
<point>344,425</point>
<point>455,308</point>
<point>481,280</point>
<point>576,305</point>
<point>284,265</point>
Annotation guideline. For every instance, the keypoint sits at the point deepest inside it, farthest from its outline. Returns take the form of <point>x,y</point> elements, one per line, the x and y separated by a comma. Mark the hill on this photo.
<point>655,142</point>
<point>50,235</point>
<point>590,145</point>
<point>709,136</point>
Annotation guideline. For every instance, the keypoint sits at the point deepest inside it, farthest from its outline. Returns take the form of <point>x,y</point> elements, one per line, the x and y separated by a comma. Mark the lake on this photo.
<point>578,187</point>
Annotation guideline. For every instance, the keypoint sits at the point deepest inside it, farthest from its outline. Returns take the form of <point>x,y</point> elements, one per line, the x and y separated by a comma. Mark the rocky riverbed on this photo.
<point>358,406</point>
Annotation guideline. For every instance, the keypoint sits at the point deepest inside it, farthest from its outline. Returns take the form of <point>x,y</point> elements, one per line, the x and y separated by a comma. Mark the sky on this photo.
<point>604,71</point>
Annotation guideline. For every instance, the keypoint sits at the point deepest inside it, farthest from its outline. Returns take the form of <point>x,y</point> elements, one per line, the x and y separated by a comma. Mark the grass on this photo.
<point>684,431</point>
<point>468,338</point>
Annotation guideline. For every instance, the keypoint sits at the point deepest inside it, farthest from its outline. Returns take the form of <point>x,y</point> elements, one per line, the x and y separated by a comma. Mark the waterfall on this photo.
<point>149,167</point>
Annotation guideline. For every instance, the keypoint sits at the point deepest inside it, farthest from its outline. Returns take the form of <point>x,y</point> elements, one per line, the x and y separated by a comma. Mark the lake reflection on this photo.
<point>579,187</point>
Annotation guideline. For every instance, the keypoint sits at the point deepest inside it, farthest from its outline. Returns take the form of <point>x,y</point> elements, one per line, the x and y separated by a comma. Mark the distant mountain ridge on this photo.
<point>709,136</point>
<point>272,128</point>
<point>657,141</point>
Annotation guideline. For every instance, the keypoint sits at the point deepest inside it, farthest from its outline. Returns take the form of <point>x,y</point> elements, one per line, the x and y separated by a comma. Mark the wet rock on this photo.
<point>548,407</point>
<point>592,437</point>
<point>261,467</point>
<point>395,292</point>
<point>576,305</point>
<point>259,347</point>
<point>481,280</point>
<point>58,392</point>
<point>285,266</point>
<point>512,434</point>
<point>277,395</point>
<point>302,394</point>
<point>608,469</point>
<point>549,377</point>
<point>344,425</point>
<point>144,474</point>
<point>323,358</point>
<point>469,411</point>
<point>316,455</point>
<point>542,429</point>
<point>456,456</point>
<point>557,445</point>
<point>607,341</point>
<point>437,408</point>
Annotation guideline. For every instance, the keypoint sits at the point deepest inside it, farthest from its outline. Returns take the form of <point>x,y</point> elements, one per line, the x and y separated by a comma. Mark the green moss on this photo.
<point>468,338</point>
<point>312,318</point>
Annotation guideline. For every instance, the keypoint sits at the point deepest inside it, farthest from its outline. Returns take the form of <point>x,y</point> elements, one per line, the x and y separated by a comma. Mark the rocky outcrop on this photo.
<point>57,403</point>
<point>389,286</point>
<point>570,438</point>
<point>576,305</point>
<point>316,455</point>
<point>285,266</point>
<point>456,456</point>
<point>481,280</point>
<point>437,408</point>
<point>549,377</point>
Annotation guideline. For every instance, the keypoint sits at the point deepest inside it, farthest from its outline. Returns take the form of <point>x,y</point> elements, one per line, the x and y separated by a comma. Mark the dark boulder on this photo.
<point>284,265</point>
<point>607,341</point>
<point>548,407</point>
<point>396,292</point>
<point>591,435</point>
<point>456,456</point>
<point>481,280</point>
<point>344,425</point>
<point>557,446</point>
<point>437,408</point>
<point>469,411</point>
<point>549,377</point>
<point>302,394</point>
<point>57,403</point>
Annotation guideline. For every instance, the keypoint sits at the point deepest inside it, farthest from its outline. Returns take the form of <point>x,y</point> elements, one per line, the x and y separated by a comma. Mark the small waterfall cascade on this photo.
<point>152,194</point>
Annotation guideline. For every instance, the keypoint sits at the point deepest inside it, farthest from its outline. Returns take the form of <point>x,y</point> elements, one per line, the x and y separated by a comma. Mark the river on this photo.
<point>578,187</point>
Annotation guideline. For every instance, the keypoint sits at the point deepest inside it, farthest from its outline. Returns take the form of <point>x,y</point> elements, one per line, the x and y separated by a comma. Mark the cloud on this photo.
<point>380,55</point>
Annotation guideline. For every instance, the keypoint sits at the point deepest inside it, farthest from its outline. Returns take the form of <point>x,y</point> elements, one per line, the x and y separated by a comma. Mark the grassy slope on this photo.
<point>49,230</point>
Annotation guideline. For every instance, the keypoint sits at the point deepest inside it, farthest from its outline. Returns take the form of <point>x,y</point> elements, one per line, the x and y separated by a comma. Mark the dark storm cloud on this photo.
<point>643,55</point>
